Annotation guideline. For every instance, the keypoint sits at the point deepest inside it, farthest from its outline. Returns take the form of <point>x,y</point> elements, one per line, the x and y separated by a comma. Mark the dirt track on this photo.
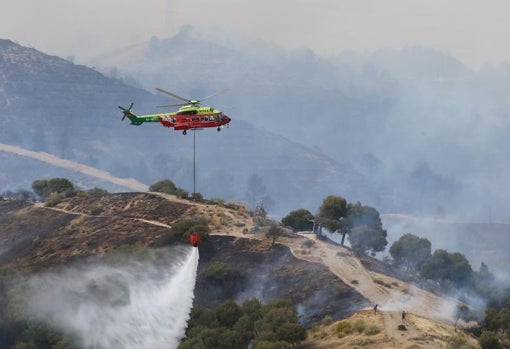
<point>392,295</point>
<point>389,293</point>
<point>128,183</point>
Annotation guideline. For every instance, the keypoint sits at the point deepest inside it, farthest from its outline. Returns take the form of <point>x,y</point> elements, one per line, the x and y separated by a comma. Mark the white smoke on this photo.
<point>135,305</point>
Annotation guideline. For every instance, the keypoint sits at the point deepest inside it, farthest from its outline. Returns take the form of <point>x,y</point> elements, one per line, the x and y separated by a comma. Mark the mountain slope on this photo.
<point>424,128</point>
<point>71,112</point>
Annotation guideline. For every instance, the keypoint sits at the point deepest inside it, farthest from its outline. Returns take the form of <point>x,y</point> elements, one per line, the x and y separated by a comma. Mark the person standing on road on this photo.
<point>403,315</point>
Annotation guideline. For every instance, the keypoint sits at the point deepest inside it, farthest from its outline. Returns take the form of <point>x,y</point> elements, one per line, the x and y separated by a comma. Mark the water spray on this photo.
<point>137,304</point>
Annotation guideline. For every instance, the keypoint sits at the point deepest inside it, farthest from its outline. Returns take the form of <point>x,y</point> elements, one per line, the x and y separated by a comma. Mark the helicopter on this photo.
<point>190,116</point>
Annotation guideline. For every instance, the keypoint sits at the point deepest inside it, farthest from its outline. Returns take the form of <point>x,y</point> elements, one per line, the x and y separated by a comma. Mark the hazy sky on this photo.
<point>474,31</point>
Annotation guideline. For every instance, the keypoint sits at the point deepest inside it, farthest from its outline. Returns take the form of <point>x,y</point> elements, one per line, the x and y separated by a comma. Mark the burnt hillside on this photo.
<point>34,238</point>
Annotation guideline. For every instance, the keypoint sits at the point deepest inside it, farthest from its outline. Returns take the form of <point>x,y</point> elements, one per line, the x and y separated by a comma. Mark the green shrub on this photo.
<point>372,330</point>
<point>314,328</point>
<point>343,327</point>
<point>97,192</point>
<point>458,342</point>
<point>359,325</point>
<point>327,320</point>
<point>181,193</point>
<point>216,271</point>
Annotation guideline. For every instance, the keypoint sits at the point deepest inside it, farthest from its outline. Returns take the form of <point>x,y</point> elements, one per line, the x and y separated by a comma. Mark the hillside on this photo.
<point>322,279</point>
<point>70,111</point>
<point>381,331</point>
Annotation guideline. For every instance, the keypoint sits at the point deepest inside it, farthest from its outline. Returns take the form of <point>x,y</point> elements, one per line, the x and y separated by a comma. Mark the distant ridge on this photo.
<point>129,183</point>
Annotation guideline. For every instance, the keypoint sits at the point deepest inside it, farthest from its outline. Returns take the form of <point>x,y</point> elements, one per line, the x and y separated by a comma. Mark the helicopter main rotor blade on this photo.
<point>172,105</point>
<point>214,94</point>
<point>173,95</point>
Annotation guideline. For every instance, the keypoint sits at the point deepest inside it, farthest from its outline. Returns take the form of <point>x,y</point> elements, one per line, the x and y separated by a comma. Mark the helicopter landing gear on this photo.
<point>219,129</point>
<point>184,132</point>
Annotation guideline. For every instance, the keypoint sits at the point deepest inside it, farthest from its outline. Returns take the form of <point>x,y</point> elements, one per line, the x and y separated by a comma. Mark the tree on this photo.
<point>299,220</point>
<point>496,320</point>
<point>410,252</point>
<point>252,308</point>
<point>365,230</point>
<point>164,186</point>
<point>274,315</point>
<point>273,232</point>
<point>489,340</point>
<point>291,332</point>
<point>39,187</point>
<point>272,326</point>
<point>272,345</point>
<point>332,214</point>
<point>182,229</point>
<point>20,194</point>
<point>220,338</point>
<point>363,239</point>
<point>444,266</point>
<point>227,314</point>
<point>44,188</point>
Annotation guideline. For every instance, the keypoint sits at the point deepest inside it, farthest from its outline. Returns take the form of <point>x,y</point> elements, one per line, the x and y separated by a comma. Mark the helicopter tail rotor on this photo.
<point>127,111</point>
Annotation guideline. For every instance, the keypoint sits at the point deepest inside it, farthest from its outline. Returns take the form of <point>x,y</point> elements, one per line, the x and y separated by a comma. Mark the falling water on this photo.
<point>131,306</point>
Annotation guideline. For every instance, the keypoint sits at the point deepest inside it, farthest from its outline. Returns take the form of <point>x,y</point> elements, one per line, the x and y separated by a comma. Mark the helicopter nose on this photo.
<point>226,119</point>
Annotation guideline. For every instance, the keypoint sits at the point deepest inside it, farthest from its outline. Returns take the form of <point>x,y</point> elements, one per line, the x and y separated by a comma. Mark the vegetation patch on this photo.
<point>274,325</point>
<point>372,330</point>
<point>182,229</point>
<point>382,283</point>
<point>402,327</point>
<point>343,328</point>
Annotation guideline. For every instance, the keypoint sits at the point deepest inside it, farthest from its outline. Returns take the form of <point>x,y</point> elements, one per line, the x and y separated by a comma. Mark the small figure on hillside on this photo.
<point>403,315</point>
<point>375,308</point>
